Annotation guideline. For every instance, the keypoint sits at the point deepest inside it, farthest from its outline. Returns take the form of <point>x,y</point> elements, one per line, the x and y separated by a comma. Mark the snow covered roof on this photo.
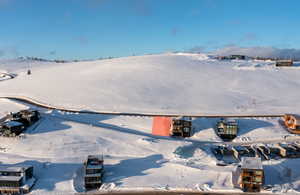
<point>251,163</point>
<point>10,178</point>
<point>100,157</point>
<point>7,168</point>
<point>13,123</point>
<point>99,166</point>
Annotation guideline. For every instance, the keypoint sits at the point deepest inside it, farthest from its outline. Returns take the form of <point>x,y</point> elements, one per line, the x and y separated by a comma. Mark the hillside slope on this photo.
<point>168,83</point>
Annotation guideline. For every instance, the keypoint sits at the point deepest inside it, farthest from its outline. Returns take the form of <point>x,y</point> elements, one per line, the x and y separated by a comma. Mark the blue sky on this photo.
<point>85,29</point>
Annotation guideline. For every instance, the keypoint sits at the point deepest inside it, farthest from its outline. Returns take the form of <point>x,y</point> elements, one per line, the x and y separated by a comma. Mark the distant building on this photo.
<point>93,172</point>
<point>284,63</point>
<point>166,126</point>
<point>11,128</point>
<point>237,57</point>
<point>227,129</point>
<point>233,57</point>
<point>16,179</point>
<point>249,176</point>
<point>15,123</point>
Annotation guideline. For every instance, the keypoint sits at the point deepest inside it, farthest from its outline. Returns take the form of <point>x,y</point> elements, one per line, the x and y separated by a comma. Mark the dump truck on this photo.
<point>227,129</point>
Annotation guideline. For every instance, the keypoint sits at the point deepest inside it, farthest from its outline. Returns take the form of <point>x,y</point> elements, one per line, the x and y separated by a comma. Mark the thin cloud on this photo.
<point>268,52</point>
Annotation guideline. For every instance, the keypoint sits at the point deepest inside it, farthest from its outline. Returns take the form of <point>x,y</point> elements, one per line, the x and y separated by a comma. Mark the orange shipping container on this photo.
<point>161,126</point>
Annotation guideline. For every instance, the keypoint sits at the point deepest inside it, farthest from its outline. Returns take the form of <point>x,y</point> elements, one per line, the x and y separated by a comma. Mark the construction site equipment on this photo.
<point>284,63</point>
<point>166,126</point>
<point>227,129</point>
<point>93,167</point>
<point>249,175</point>
<point>16,179</point>
<point>292,123</point>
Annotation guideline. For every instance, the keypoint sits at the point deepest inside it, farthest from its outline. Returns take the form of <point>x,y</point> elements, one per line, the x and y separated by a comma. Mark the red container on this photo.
<point>161,126</point>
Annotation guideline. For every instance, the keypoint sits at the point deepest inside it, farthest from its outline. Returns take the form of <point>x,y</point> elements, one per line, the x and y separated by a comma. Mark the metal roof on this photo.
<point>251,163</point>
<point>13,123</point>
<point>10,178</point>
<point>100,157</point>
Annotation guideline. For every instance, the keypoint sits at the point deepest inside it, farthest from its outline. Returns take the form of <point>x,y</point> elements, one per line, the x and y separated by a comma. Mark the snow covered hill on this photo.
<point>134,159</point>
<point>168,83</point>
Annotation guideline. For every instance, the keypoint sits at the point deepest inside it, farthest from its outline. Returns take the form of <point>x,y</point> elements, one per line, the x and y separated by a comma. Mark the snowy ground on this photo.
<point>134,158</point>
<point>168,83</point>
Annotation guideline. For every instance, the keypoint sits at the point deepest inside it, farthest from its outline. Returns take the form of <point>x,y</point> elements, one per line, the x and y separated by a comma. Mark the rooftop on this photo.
<point>7,168</point>
<point>251,163</point>
<point>10,178</point>
<point>13,123</point>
